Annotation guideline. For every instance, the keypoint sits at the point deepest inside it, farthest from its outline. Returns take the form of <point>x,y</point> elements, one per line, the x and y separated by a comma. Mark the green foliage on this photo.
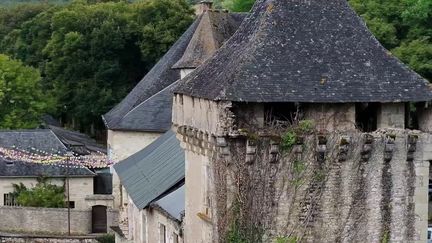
<point>22,101</point>
<point>238,5</point>
<point>306,126</point>
<point>386,237</point>
<point>108,238</point>
<point>403,27</point>
<point>299,166</point>
<point>42,195</point>
<point>284,239</point>
<point>92,53</point>
<point>291,137</point>
<point>288,140</point>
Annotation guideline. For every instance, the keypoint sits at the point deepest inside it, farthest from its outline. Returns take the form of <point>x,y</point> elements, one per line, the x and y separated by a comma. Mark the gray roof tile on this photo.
<point>159,77</point>
<point>304,51</point>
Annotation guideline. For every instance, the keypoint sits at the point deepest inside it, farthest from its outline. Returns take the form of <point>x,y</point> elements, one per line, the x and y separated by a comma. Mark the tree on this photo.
<point>91,55</point>
<point>22,101</point>
<point>43,194</point>
<point>238,5</point>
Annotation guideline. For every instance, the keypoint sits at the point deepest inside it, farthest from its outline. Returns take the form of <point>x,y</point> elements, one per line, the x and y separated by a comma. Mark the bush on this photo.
<point>108,238</point>
<point>42,195</point>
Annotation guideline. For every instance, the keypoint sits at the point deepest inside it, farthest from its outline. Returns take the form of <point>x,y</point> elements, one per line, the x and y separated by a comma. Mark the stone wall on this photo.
<point>331,117</point>
<point>391,115</point>
<point>50,220</point>
<point>32,239</point>
<point>45,220</point>
<point>350,187</point>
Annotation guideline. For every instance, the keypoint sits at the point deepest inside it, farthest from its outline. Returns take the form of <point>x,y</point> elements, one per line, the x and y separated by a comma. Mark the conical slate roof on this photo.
<point>304,51</point>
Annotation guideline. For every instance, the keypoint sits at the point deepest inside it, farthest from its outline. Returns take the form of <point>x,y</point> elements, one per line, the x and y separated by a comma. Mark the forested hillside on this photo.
<point>89,55</point>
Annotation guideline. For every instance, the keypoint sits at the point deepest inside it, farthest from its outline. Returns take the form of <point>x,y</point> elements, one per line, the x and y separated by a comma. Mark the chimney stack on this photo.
<point>203,6</point>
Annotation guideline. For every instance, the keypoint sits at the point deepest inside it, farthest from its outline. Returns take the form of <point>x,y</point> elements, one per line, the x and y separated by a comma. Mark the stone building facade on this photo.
<point>298,129</point>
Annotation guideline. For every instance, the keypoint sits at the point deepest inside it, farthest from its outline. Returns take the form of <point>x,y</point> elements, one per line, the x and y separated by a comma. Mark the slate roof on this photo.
<point>197,44</point>
<point>213,30</point>
<point>78,142</point>
<point>159,77</point>
<point>154,114</point>
<point>29,140</point>
<point>24,169</point>
<point>34,140</point>
<point>151,172</point>
<point>304,51</point>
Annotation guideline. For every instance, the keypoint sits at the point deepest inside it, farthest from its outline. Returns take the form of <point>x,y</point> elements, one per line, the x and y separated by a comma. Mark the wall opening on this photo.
<point>102,184</point>
<point>99,219</point>
<point>281,113</point>
<point>367,116</point>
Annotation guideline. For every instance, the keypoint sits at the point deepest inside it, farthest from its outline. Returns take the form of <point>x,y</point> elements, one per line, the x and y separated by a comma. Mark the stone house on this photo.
<point>154,179</point>
<point>293,63</point>
<point>84,185</point>
<point>145,113</point>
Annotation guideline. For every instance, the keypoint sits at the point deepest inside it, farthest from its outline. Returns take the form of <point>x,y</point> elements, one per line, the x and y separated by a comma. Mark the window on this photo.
<point>9,199</point>
<point>281,113</point>
<point>71,204</point>
<point>366,116</point>
<point>162,233</point>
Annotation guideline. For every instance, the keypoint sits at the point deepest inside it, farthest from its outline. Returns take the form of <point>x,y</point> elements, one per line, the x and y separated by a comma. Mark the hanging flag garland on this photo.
<point>94,160</point>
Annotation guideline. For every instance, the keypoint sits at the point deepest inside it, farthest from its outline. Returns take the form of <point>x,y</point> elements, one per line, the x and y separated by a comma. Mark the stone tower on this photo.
<point>300,129</point>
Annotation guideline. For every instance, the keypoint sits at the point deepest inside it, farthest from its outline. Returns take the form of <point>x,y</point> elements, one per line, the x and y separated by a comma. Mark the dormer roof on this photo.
<point>304,51</point>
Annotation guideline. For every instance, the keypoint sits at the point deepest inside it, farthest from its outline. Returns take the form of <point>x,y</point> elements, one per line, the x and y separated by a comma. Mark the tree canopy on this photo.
<point>22,101</point>
<point>90,55</point>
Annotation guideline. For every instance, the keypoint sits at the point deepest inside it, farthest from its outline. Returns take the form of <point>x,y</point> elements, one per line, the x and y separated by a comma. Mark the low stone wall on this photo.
<point>30,239</point>
<point>45,220</point>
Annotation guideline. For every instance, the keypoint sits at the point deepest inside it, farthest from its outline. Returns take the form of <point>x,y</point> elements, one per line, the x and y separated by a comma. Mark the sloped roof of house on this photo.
<point>34,141</point>
<point>154,114</point>
<point>213,30</point>
<point>150,173</point>
<point>304,51</point>
<point>197,44</point>
<point>78,142</point>
<point>24,169</point>
<point>31,140</point>
<point>159,77</point>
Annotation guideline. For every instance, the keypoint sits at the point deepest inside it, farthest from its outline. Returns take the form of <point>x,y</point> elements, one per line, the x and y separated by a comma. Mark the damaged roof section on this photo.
<point>304,51</point>
<point>213,30</point>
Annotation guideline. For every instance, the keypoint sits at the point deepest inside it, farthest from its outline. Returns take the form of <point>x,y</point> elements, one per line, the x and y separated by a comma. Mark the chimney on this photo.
<point>203,6</point>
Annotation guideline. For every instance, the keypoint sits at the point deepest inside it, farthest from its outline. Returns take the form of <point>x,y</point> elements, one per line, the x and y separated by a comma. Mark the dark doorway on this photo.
<point>367,116</point>
<point>99,219</point>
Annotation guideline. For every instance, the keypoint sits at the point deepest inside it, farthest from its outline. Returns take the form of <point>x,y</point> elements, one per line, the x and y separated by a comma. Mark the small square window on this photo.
<point>71,204</point>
